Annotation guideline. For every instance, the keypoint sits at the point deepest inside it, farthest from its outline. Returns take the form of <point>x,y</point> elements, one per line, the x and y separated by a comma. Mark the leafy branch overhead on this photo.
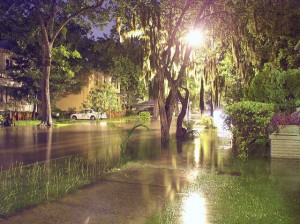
<point>103,99</point>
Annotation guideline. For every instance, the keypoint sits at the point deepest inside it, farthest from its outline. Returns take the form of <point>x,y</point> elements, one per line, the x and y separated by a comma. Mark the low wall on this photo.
<point>285,146</point>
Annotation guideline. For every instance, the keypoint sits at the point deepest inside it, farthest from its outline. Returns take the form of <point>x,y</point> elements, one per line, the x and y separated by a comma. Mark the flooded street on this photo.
<point>171,167</point>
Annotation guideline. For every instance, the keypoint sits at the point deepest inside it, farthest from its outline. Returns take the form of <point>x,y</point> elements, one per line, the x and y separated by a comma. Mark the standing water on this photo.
<point>210,153</point>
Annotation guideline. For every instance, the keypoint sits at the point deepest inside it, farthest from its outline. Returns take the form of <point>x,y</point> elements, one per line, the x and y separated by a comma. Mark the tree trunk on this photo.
<point>163,118</point>
<point>211,102</point>
<point>33,115</point>
<point>45,91</point>
<point>202,96</point>
<point>164,124</point>
<point>180,131</point>
<point>155,99</point>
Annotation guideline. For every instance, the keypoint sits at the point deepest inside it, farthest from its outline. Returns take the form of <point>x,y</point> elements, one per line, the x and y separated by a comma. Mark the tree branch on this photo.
<point>42,24</point>
<point>80,12</point>
<point>52,19</point>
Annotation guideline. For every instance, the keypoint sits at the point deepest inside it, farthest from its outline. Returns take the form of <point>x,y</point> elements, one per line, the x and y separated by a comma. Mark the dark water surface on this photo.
<point>210,152</point>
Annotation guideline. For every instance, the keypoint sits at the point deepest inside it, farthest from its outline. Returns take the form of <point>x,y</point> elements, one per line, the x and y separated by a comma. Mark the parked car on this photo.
<point>88,115</point>
<point>147,109</point>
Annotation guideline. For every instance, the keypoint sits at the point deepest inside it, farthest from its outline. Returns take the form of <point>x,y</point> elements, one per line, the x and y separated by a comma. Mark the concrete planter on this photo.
<point>289,130</point>
<point>286,144</point>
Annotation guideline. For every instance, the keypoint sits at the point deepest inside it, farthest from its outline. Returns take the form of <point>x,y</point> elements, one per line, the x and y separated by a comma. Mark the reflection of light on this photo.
<point>192,175</point>
<point>219,123</point>
<point>194,210</point>
<point>195,37</point>
<point>218,120</point>
<point>197,151</point>
<point>103,123</point>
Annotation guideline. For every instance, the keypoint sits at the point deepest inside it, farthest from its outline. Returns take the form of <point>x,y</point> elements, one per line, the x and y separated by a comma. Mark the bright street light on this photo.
<point>195,38</point>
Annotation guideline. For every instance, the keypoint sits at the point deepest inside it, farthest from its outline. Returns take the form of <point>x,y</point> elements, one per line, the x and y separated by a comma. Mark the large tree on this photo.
<point>47,19</point>
<point>163,26</point>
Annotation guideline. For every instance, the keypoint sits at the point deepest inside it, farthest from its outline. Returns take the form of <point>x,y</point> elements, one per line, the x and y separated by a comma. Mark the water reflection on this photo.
<point>28,145</point>
<point>208,153</point>
<point>194,209</point>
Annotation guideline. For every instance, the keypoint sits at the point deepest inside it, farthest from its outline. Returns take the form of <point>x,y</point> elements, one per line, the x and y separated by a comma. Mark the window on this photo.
<point>8,64</point>
<point>96,79</point>
<point>1,95</point>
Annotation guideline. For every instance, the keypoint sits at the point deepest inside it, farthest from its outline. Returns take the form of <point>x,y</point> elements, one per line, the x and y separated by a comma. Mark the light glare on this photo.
<point>195,38</point>
<point>194,210</point>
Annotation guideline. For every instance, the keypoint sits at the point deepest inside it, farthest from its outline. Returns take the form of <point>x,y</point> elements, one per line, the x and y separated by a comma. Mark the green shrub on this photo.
<point>145,116</point>
<point>190,131</point>
<point>248,121</point>
<point>207,121</point>
<point>276,86</point>
<point>1,119</point>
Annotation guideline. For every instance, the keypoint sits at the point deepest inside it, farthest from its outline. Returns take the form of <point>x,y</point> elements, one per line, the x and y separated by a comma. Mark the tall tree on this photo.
<point>162,25</point>
<point>48,18</point>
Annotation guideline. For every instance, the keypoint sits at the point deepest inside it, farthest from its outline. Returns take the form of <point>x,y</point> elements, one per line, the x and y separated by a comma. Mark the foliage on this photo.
<point>256,34</point>
<point>103,99</point>
<point>162,26</point>
<point>64,70</point>
<point>277,87</point>
<point>46,21</point>
<point>189,125</point>
<point>208,121</point>
<point>248,121</point>
<point>2,118</point>
<point>282,119</point>
<point>129,75</point>
<point>190,132</point>
<point>145,116</point>
<point>126,144</point>
<point>234,90</point>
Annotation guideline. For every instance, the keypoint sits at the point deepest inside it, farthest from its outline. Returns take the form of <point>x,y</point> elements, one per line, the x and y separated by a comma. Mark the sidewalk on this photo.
<point>127,196</point>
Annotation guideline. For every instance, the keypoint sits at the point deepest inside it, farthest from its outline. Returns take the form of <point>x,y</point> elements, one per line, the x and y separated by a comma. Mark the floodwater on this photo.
<point>210,152</point>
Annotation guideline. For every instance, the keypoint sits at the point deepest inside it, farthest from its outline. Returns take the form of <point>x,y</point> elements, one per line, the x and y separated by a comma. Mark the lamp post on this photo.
<point>195,38</point>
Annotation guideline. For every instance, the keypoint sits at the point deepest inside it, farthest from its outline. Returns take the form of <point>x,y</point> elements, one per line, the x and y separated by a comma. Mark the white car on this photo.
<point>88,115</point>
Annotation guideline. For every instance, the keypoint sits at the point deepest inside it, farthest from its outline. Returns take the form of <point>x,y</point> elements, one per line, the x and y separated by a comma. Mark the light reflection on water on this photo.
<point>194,209</point>
<point>208,153</point>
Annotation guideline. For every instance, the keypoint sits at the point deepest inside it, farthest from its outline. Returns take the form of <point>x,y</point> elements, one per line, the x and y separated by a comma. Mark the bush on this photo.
<point>145,116</point>
<point>1,119</point>
<point>283,119</point>
<point>208,121</point>
<point>248,121</point>
<point>190,133</point>
<point>277,87</point>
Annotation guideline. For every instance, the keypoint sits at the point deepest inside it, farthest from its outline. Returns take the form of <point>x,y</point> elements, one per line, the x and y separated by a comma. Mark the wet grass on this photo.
<point>25,186</point>
<point>22,186</point>
<point>27,122</point>
<point>66,122</point>
<point>232,199</point>
<point>57,123</point>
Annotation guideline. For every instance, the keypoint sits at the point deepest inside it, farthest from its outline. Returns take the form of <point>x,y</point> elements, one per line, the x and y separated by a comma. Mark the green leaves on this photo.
<point>103,99</point>
<point>248,122</point>
<point>277,87</point>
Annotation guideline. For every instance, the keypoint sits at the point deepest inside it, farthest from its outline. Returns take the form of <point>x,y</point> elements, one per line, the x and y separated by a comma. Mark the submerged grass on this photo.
<point>24,186</point>
<point>27,122</point>
<point>232,199</point>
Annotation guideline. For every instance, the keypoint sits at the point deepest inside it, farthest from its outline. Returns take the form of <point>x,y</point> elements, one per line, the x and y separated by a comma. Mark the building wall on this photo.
<point>5,83</point>
<point>5,57</point>
<point>74,101</point>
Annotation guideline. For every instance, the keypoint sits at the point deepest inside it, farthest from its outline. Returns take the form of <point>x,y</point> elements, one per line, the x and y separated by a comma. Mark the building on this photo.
<point>74,101</point>
<point>7,85</point>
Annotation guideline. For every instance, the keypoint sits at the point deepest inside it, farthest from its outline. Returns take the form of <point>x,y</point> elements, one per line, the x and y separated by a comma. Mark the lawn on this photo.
<point>229,199</point>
